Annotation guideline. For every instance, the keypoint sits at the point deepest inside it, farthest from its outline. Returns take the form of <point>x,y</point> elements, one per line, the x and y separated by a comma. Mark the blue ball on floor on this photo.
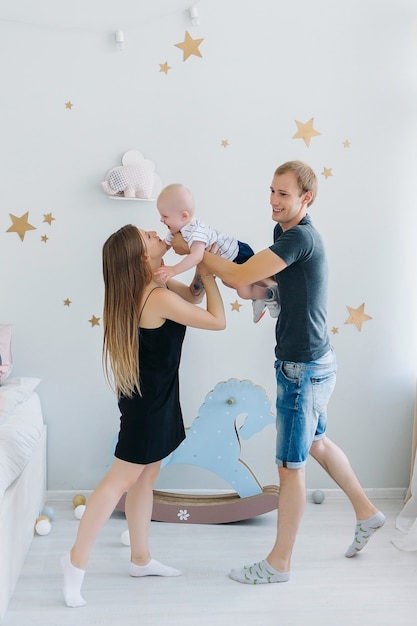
<point>48,511</point>
<point>317,496</point>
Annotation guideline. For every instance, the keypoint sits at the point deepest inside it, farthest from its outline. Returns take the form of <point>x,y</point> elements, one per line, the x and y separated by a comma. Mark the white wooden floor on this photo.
<point>376,588</point>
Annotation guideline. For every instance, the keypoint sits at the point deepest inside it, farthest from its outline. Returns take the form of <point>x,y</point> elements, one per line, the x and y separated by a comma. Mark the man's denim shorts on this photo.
<point>303,393</point>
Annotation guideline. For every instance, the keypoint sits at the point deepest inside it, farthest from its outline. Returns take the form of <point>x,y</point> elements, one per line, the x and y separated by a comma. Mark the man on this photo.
<point>305,367</point>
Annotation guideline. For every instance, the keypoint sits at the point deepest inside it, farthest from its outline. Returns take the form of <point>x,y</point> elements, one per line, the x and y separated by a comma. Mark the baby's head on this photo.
<point>176,206</point>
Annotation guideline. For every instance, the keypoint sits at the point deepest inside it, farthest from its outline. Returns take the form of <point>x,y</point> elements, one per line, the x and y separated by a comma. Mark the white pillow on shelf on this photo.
<point>15,391</point>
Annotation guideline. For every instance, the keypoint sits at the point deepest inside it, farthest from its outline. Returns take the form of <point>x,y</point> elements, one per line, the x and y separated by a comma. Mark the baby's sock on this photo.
<point>73,578</point>
<point>364,531</point>
<point>258,574</point>
<point>153,568</point>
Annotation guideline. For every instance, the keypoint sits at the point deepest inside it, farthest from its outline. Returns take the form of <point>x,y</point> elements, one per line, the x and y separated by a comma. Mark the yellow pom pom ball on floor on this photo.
<point>78,499</point>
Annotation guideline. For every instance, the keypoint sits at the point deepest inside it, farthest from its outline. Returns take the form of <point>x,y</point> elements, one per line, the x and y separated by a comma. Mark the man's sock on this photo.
<point>73,578</point>
<point>363,532</point>
<point>153,568</point>
<point>259,574</point>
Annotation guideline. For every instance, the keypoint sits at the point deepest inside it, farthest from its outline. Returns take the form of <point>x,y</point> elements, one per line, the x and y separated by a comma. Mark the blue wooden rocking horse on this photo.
<point>213,439</point>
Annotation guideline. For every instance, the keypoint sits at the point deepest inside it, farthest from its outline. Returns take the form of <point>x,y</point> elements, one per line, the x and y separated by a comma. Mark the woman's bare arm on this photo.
<point>169,304</point>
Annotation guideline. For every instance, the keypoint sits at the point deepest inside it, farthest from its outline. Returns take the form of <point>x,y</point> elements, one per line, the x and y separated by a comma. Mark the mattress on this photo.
<point>19,436</point>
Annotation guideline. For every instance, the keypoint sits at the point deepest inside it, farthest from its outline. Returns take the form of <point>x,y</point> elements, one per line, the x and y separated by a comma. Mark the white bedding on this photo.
<point>19,436</point>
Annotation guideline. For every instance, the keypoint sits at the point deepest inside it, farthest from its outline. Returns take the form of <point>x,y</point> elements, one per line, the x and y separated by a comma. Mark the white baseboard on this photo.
<point>373,493</point>
<point>62,495</point>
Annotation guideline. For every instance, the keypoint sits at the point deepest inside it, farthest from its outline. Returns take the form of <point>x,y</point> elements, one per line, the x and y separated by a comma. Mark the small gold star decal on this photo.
<point>48,218</point>
<point>67,302</point>
<point>44,238</point>
<point>346,143</point>
<point>68,105</point>
<point>335,330</point>
<point>189,46</point>
<point>20,225</point>
<point>235,306</point>
<point>357,316</point>
<point>225,143</point>
<point>95,321</point>
<point>327,171</point>
<point>306,131</point>
<point>165,67</point>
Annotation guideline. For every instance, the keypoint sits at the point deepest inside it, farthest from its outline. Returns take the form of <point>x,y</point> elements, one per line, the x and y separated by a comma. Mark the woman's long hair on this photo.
<point>126,273</point>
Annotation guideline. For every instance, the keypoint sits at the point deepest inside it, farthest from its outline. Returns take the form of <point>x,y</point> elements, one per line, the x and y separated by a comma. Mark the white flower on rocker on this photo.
<point>183,514</point>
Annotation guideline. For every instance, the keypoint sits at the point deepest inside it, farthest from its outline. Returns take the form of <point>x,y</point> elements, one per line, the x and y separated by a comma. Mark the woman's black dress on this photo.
<point>151,425</point>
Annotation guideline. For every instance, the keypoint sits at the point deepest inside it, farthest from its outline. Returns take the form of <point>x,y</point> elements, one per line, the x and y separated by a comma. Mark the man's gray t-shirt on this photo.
<point>301,329</point>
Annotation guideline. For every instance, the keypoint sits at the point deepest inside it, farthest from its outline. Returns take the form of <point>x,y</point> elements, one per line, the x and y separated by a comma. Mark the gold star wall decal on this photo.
<point>189,46</point>
<point>67,302</point>
<point>335,330</point>
<point>20,225</point>
<point>48,218</point>
<point>346,143</point>
<point>235,306</point>
<point>327,171</point>
<point>95,321</point>
<point>306,131</point>
<point>165,67</point>
<point>357,316</point>
<point>68,105</point>
<point>44,238</point>
<point>225,143</point>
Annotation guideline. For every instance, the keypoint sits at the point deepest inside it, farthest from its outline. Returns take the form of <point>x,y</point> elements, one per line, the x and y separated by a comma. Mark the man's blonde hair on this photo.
<point>306,178</point>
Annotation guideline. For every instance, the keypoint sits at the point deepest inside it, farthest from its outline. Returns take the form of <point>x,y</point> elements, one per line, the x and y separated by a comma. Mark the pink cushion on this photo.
<point>6,360</point>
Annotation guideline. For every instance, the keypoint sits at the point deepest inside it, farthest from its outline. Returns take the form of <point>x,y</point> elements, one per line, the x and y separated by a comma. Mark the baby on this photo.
<point>177,210</point>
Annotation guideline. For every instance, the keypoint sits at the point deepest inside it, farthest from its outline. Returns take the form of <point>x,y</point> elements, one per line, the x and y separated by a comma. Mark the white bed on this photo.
<point>22,477</point>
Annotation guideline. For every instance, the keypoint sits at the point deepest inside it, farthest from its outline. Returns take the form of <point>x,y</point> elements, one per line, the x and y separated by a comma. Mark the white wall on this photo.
<point>264,65</point>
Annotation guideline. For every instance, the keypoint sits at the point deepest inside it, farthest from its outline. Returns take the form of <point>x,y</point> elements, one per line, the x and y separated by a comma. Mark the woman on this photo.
<point>144,327</point>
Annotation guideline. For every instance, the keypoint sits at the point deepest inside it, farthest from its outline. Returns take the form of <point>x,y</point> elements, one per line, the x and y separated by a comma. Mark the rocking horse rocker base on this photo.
<point>209,509</point>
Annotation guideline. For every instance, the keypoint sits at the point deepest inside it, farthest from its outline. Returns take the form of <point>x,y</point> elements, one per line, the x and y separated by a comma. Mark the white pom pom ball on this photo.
<point>43,526</point>
<point>125,538</point>
<point>79,511</point>
<point>317,496</point>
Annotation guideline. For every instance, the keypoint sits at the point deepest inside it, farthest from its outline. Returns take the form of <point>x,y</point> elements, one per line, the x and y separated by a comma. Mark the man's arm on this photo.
<point>260,266</point>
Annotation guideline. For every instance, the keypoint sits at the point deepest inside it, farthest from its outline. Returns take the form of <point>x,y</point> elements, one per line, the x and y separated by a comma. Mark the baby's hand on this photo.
<point>164,273</point>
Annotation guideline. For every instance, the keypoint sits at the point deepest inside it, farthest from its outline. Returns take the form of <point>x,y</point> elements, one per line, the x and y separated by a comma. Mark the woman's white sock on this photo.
<point>153,568</point>
<point>73,578</point>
